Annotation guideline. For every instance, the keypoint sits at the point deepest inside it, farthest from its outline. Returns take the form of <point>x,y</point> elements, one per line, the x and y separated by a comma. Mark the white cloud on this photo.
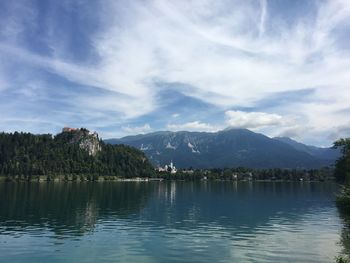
<point>219,57</point>
<point>251,120</point>
<point>263,15</point>
<point>192,126</point>
<point>137,129</point>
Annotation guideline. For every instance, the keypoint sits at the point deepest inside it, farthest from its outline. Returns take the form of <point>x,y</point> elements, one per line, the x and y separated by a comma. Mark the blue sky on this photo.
<point>125,67</point>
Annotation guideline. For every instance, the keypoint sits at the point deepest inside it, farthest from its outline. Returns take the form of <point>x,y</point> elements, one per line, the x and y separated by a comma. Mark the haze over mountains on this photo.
<point>228,148</point>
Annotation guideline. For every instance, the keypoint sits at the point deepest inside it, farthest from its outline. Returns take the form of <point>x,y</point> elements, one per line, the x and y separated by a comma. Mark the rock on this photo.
<point>87,141</point>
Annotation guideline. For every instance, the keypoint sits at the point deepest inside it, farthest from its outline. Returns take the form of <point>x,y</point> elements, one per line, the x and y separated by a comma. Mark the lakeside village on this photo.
<point>170,172</point>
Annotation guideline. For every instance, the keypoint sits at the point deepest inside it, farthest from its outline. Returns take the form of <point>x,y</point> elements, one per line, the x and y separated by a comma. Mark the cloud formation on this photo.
<point>103,65</point>
<point>137,129</point>
<point>192,126</point>
<point>252,120</point>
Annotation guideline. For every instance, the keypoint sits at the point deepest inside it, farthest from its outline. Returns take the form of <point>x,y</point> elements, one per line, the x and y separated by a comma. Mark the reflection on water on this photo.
<point>67,208</point>
<point>345,233</point>
<point>169,222</point>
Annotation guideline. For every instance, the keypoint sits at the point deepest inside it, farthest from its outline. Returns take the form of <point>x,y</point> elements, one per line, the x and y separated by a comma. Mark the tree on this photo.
<point>342,173</point>
<point>342,167</point>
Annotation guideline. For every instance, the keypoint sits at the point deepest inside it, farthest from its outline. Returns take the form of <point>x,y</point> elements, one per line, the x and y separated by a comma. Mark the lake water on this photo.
<point>169,222</point>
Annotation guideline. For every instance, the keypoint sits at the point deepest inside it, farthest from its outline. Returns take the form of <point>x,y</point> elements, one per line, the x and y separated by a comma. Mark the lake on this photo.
<point>169,222</point>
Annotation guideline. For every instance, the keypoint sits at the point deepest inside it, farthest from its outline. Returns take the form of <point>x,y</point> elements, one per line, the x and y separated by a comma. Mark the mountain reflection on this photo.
<point>73,209</point>
<point>236,204</point>
<point>170,222</point>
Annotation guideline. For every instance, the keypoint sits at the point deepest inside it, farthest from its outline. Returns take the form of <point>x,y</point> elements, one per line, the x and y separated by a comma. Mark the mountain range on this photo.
<point>228,148</point>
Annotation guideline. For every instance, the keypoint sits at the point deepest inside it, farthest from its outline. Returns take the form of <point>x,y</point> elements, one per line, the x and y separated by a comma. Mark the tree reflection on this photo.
<point>68,208</point>
<point>345,233</point>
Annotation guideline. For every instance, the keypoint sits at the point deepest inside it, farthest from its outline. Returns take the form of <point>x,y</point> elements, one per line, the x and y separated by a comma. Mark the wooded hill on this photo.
<point>76,152</point>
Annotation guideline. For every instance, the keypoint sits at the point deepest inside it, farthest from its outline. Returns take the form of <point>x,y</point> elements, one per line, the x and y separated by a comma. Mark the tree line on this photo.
<point>242,173</point>
<point>26,155</point>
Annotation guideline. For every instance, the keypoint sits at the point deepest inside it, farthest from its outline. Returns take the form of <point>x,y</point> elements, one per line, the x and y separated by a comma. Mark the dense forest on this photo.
<point>68,153</point>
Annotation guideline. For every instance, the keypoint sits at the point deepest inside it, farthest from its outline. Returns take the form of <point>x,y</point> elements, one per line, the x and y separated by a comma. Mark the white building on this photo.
<point>168,168</point>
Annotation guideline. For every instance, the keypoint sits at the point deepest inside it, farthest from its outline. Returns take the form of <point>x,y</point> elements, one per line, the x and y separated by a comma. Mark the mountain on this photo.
<point>318,152</point>
<point>227,148</point>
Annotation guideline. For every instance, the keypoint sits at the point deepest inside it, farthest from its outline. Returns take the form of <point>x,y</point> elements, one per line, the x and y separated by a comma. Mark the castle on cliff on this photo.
<point>69,129</point>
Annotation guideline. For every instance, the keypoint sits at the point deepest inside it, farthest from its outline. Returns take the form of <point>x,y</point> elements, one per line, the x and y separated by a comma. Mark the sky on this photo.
<point>278,67</point>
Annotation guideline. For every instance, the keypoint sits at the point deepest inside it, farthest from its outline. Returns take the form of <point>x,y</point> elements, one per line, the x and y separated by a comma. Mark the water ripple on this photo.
<point>141,224</point>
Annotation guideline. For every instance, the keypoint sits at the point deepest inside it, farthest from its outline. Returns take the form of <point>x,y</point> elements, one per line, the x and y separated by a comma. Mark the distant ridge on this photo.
<point>318,152</point>
<point>227,148</point>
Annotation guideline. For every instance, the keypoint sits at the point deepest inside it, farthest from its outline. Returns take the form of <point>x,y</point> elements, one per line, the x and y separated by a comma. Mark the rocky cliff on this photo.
<point>87,141</point>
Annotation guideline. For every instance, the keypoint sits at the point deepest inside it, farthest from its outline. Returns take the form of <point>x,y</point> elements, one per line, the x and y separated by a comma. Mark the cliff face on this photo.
<point>86,140</point>
<point>90,144</point>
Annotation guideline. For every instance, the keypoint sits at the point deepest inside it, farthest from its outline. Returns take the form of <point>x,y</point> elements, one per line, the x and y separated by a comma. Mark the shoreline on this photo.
<point>74,178</point>
<point>84,178</point>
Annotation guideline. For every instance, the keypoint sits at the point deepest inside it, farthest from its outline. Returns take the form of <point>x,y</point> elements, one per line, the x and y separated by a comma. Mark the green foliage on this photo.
<point>343,199</point>
<point>342,173</point>
<point>341,259</point>
<point>27,155</point>
<point>342,168</point>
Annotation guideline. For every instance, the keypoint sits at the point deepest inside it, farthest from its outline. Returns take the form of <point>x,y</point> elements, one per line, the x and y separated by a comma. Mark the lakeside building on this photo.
<point>168,168</point>
<point>69,129</point>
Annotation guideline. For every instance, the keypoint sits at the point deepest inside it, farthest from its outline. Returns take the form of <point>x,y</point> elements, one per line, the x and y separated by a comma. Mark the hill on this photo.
<point>75,151</point>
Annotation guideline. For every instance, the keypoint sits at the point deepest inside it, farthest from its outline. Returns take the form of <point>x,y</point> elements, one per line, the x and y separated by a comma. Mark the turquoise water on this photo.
<point>169,222</point>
